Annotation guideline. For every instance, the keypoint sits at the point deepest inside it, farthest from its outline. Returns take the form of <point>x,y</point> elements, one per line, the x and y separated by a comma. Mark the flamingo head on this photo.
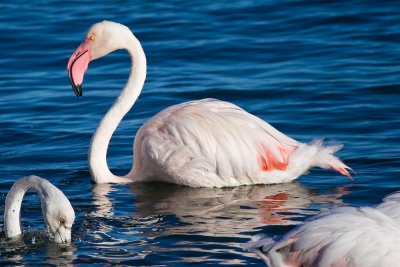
<point>59,215</point>
<point>101,39</point>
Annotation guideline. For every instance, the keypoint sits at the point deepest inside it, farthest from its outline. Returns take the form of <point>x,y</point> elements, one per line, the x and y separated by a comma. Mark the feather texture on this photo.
<point>215,143</point>
<point>344,236</point>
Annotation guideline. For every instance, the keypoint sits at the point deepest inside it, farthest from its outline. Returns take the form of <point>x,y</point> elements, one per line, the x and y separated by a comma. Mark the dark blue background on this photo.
<point>312,69</point>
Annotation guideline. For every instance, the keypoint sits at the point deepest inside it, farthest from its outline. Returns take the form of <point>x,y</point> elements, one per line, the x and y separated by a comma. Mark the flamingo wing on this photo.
<point>344,236</point>
<point>210,138</point>
<point>390,206</point>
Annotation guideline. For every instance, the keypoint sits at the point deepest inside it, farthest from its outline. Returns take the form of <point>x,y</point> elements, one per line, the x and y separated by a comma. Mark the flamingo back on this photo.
<point>215,142</point>
<point>344,236</point>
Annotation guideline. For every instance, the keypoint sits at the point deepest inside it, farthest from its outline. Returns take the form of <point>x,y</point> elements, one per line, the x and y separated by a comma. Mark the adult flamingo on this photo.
<point>345,236</point>
<point>203,143</point>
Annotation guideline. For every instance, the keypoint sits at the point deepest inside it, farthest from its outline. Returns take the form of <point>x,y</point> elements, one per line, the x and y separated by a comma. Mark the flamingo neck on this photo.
<point>14,198</point>
<point>99,144</point>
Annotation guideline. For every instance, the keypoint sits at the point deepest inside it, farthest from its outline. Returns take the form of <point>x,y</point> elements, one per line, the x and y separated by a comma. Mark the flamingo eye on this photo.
<point>92,37</point>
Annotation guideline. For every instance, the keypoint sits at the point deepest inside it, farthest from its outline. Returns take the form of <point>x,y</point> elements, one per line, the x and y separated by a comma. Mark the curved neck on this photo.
<point>14,200</point>
<point>101,138</point>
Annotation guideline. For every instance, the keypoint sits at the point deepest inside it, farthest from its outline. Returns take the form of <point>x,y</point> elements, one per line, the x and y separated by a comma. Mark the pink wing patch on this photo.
<point>270,163</point>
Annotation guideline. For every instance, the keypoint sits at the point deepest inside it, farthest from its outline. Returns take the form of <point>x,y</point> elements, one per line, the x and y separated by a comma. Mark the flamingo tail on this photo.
<point>323,156</point>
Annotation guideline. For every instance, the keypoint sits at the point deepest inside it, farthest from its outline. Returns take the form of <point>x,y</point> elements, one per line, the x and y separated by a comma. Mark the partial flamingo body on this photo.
<point>203,143</point>
<point>56,208</point>
<point>345,236</point>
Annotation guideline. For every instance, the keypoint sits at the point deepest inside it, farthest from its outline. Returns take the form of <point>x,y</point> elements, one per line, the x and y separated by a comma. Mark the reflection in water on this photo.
<point>60,255</point>
<point>228,211</point>
<point>13,250</point>
<point>194,216</point>
<point>101,201</point>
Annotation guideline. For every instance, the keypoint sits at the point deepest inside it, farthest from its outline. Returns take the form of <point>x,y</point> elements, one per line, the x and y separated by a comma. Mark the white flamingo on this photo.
<point>342,237</point>
<point>204,143</point>
<point>56,208</point>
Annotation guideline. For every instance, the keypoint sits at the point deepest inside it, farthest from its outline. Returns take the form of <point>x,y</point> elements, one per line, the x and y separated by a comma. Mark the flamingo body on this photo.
<point>207,143</point>
<point>204,143</point>
<point>215,143</point>
<point>345,236</point>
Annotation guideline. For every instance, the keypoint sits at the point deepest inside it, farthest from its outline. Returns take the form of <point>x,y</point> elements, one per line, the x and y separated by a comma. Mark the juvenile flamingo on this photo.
<point>56,208</point>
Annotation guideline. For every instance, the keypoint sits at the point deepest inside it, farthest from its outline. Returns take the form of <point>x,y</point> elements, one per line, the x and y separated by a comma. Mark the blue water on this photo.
<point>312,69</point>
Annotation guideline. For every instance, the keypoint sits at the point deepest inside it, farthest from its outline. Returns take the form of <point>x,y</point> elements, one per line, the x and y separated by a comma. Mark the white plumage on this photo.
<point>57,210</point>
<point>344,236</point>
<point>215,143</point>
<point>205,143</point>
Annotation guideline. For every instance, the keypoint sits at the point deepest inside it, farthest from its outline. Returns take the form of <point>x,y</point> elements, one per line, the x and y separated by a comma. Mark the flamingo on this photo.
<point>344,236</point>
<point>56,208</point>
<point>201,143</point>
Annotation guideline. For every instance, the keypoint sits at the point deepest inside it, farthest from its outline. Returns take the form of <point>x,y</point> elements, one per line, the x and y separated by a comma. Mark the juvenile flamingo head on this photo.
<point>58,214</point>
<point>59,220</point>
<point>102,38</point>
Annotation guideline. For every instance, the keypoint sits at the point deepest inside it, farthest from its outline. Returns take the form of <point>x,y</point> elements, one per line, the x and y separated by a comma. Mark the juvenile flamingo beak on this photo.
<point>77,66</point>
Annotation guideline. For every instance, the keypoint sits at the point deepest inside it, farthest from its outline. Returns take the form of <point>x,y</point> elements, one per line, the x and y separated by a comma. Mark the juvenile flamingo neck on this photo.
<point>14,198</point>
<point>98,148</point>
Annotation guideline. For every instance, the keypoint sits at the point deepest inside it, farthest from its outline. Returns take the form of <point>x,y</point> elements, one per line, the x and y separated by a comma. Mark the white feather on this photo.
<point>391,206</point>
<point>344,236</point>
<point>215,144</point>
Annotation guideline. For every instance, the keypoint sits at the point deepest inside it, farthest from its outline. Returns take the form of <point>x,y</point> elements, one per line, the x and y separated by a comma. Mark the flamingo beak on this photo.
<point>77,66</point>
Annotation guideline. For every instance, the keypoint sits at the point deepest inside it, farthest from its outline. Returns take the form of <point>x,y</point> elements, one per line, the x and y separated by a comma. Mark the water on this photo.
<point>310,68</point>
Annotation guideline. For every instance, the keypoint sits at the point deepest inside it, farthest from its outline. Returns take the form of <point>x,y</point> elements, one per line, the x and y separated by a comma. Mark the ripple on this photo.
<point>313,69</point>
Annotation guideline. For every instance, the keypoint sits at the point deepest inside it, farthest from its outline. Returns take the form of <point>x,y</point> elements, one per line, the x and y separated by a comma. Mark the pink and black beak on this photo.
<point>77,66</point>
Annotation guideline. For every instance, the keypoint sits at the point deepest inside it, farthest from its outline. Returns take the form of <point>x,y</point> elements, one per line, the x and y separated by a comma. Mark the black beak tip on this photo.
<point>78,90</point>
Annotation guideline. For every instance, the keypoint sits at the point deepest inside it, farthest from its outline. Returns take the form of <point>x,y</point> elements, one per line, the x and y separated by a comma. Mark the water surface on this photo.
<point>312,69</point>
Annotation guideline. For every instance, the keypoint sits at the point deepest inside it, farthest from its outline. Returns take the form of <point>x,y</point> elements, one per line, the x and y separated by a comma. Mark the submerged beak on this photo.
<point>77,66</point>
<point>62,235</point>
